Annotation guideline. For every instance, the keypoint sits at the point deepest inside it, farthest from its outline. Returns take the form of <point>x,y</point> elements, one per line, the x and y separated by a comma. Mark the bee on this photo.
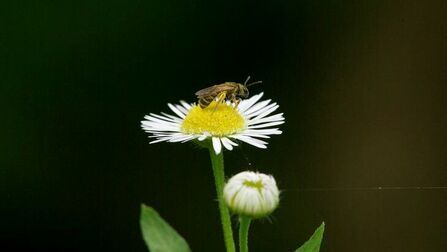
<point>231,91</point>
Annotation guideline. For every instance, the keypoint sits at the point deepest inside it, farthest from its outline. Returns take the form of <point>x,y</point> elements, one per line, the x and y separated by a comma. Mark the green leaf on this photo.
<point>158,234</point>
<point>314,242</point>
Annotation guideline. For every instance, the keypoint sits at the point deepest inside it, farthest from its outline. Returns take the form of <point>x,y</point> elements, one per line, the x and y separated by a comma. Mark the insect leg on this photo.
<point>220,99</point>
<point>236,102</point>
<point>234,99</point>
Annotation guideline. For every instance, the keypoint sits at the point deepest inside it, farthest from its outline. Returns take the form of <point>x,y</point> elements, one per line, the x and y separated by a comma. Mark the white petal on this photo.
<point>265,125</point>
<point>253,141</point>
<point>217,145</point>
<point>189,139</point>
<point>182,109</point>
<point>262,111</point>
<point>256,107</point>
<point>161,140</point>
<point>246,104</point>
<point>186,105</point>
<point>273,118</point>
<point>149,127</point>
<point>202,137</point>
<point>231,142</point>
<point>171,116</point>
<point>176,120</point>
<point>158,136</point>
<point>256,135</point>
<point>180,138</point>
<point>226,144</point>
<point>164,122</point>
<point>265,111</point>
<point>273,131</point>
<point>176,111</point>
<point>158,127</point>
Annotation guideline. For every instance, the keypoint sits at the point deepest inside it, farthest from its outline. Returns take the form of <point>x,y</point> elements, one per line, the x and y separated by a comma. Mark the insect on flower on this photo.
<point>250,122</point>
<point>232,91</point>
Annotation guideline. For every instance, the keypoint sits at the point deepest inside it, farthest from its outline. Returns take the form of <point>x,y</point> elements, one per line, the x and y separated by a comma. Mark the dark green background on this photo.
<point>362,85</point>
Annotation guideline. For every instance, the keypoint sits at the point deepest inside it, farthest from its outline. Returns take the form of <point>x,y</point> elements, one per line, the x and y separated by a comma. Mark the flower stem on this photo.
<point>219,177</point>
<point>244,225</point>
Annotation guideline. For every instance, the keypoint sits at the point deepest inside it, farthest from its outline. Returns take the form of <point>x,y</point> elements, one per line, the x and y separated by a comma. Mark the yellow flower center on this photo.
<point>218,119</point>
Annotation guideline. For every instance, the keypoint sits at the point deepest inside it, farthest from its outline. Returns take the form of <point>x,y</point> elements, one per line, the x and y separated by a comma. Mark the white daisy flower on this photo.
<point>223,123</point>
<point>251,194</point>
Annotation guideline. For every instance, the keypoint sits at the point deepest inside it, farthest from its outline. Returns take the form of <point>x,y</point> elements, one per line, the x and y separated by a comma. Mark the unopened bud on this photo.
<point>251,194</point>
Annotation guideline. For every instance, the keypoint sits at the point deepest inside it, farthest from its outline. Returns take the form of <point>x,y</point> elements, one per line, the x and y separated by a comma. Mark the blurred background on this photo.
<point>362,85</point>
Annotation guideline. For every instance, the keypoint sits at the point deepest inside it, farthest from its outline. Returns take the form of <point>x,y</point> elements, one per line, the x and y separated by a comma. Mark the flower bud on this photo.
<point>251,194</point>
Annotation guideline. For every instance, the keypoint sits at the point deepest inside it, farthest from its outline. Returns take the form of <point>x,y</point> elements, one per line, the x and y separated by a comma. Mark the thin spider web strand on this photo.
<point>375,188</point>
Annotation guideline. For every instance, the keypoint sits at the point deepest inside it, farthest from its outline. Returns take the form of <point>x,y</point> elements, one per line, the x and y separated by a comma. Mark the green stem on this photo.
<point>219,177</point>
<point>244,225</point>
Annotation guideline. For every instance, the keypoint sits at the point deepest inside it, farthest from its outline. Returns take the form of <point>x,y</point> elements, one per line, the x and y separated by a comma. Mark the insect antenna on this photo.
<point>245,82</point>
<point>253,83</point>
<point>250,84</point>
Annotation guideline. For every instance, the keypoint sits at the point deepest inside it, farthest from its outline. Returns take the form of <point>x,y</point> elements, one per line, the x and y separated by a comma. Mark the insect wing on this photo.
<point>206,91</point>
<point>215,90</point>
